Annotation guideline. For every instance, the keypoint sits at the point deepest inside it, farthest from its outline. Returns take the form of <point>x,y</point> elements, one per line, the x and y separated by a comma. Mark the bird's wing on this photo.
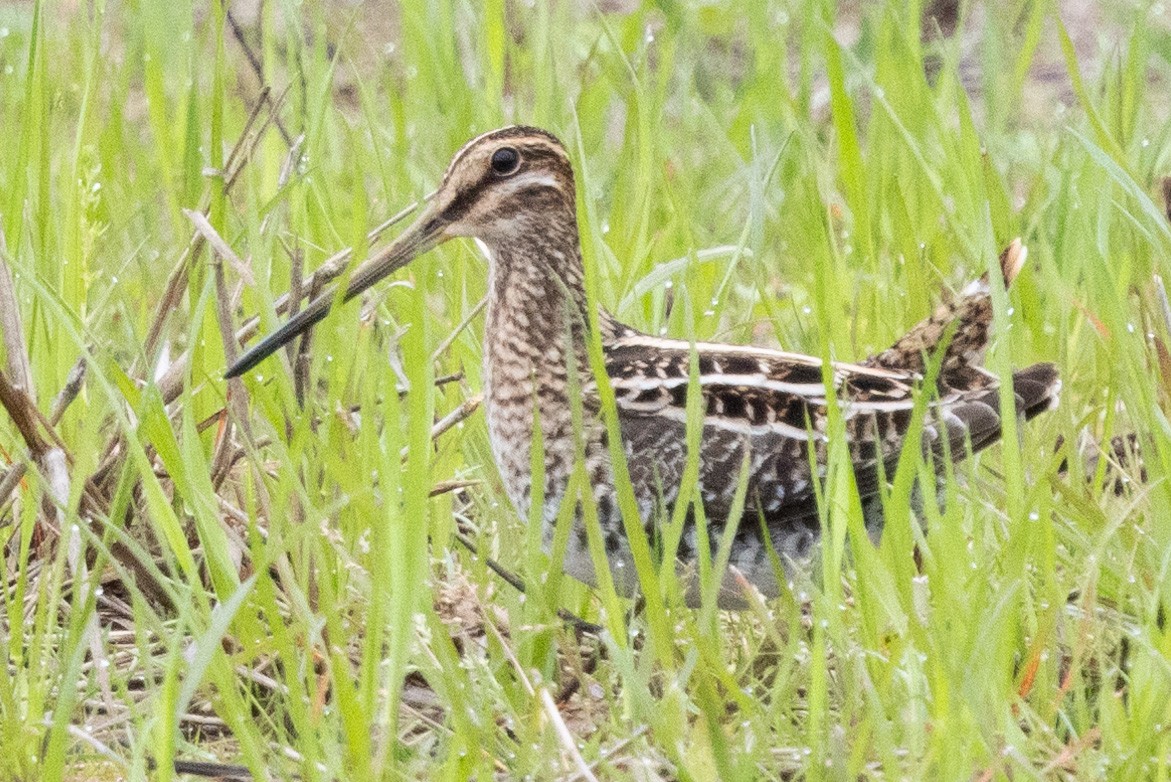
<point>773,406</point>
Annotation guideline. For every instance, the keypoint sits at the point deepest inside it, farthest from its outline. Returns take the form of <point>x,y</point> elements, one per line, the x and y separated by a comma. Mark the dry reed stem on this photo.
<point>10,324</point>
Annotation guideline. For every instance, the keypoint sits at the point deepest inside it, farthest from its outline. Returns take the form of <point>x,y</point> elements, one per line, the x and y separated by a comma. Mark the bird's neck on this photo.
<point>537,305</point>
<point>536,363</point>
<point>536,302</point>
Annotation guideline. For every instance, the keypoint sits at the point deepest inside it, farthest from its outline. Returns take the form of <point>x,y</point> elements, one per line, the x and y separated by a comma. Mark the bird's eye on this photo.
<point>505,161</point>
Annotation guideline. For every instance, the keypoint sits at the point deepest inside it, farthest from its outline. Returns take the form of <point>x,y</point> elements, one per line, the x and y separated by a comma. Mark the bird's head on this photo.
<point>500,187</point>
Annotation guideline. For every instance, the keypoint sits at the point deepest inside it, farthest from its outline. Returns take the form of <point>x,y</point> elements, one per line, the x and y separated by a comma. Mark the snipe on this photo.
<point>513,190</point>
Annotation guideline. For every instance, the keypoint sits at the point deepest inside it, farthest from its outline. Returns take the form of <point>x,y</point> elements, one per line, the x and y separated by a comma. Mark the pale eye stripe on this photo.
<point>528,180</point>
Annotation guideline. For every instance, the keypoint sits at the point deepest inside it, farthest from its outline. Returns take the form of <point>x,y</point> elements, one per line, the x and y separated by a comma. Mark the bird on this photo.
<point>762,410</point>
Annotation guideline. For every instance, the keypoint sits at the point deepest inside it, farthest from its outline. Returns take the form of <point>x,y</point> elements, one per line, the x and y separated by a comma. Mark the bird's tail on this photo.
<point>970,311</point>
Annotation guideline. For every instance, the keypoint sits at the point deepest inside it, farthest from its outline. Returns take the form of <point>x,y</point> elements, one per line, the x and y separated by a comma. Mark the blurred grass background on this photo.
<point>276,588</point>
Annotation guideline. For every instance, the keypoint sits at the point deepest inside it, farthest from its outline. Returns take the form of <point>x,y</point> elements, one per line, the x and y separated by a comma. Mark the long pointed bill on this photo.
<point>420,237</point>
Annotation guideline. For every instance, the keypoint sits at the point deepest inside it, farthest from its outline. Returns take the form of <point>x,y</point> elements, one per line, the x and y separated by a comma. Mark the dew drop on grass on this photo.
<point>3,32</point>
<point>807,309</point>
<point>1146,142</point>
<point>1034,516</point>
<point>1130,327</point>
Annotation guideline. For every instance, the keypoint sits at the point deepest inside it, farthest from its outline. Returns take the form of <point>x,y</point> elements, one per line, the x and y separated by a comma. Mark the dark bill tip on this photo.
<point>298,324</point>
<point>419,238</point>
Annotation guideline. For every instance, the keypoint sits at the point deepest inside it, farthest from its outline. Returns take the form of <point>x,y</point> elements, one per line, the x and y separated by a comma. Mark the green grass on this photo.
<point>809,187</point>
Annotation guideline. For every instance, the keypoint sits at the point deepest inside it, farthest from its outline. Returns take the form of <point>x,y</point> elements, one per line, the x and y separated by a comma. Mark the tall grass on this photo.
<point>810,186</point>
